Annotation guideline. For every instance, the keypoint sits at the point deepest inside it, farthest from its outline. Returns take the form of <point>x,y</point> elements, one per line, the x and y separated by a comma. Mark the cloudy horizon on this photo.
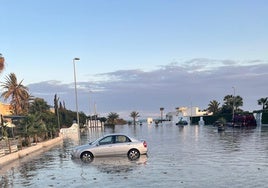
<point>194,82</point>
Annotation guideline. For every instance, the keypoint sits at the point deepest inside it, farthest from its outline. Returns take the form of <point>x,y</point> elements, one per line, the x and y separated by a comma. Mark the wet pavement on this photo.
<point>192,156</point>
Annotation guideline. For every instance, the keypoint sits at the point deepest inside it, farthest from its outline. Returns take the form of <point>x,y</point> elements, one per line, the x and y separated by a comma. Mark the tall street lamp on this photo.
<point>76,103</point>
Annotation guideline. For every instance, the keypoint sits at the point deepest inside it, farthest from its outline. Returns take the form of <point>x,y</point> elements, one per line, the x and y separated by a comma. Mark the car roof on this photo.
<point>114,134</point>
<point>119,134</point>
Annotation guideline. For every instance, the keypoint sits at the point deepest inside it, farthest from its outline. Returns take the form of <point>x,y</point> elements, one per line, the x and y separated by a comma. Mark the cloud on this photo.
<point>190,83</point>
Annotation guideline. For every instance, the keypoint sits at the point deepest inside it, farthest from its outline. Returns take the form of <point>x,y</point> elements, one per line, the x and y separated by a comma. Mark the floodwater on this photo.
<point>190,156</point>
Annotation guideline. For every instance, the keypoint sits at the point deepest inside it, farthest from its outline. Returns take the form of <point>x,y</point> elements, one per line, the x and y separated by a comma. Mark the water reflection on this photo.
<point>189,156</point>
<point>113,165</point>
<point>233,138</point>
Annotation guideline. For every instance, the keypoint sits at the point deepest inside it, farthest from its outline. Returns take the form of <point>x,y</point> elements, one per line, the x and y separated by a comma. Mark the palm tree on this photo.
<point>33,126</point>
<point>228,100</point>
<point>231,101</point>
<point>238,102</point>
<point>263,102</point>
<point>38,106</point>
<point>44,119</point>
<point>161,111</point>
<point>18,93</point>
<point>134,115</point>
<point>112,117</point>
<point>213,107</point>
<point>2,63</point>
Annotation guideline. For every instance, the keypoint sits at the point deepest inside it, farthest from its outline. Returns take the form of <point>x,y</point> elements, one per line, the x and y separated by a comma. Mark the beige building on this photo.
<point>5,109</point>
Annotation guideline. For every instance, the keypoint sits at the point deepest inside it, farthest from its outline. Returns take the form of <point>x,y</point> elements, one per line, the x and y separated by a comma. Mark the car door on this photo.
<point>105,146</point>
<point>122,145</point>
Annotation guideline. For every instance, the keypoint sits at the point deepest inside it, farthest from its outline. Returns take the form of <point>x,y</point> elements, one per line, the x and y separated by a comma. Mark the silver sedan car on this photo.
<point>111,145</point>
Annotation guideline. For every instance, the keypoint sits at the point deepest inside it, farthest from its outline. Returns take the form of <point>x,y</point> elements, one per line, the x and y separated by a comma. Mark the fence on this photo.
<point>8,146</point>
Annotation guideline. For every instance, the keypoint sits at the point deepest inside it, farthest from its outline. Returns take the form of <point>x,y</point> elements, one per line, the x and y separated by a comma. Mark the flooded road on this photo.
<point>192,156</point>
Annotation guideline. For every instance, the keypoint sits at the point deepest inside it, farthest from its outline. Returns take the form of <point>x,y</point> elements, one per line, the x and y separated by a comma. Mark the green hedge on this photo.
<point>210,120</point>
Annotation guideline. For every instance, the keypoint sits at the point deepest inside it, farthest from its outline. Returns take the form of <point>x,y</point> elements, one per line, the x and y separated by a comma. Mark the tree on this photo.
<point>2,63</point>
<point>238,102</point>
<point>32,126</point>
<point>134,115</point>
<point>56,104</point>
<point>263,102</point>
<point>45,120</point>
<point>20,97</point>
<point>112,117</point>
<point>56,109</point>
<point>228,100</point>
<point>103,119</point>
<point>231,102</point>
<point>38,106</point>
<point>213,107</point>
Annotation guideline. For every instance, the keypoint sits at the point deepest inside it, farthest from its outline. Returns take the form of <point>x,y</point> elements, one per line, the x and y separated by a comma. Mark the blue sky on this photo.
<point>137,55</point>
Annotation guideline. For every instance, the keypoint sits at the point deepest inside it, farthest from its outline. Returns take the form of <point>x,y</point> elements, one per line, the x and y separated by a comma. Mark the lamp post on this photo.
<point>90,116</point>
<point>76,103</point>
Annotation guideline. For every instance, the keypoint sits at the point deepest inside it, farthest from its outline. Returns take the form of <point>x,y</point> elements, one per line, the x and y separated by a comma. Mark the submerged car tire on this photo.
<point>86,156</point>
<point>133,154</point>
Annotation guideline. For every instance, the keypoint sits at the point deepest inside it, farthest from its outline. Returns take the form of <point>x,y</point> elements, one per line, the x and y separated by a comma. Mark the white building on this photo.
<point>149,120</point>
<point>94,123</point>
<point>185,114</point>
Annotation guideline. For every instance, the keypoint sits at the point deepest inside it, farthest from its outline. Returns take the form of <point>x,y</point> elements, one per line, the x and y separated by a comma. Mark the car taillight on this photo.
<point>145,144</point>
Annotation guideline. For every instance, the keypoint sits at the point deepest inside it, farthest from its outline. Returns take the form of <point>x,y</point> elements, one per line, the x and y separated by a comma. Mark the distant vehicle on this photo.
<point>111,145</point>
<point>220,125</point>
<point>182,122</point>
<point>244,120</point>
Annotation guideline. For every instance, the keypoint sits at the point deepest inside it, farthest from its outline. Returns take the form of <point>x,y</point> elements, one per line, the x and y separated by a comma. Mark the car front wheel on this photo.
<point>133,154</point>
<point>86,157</point>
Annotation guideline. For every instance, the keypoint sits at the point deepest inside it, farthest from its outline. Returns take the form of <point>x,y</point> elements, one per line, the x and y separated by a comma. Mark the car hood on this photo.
<point>82,147</point>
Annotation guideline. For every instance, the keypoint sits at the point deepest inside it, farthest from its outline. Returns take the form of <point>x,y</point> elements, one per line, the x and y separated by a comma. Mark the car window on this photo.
<point>121,139</point>
<point>106,140</point>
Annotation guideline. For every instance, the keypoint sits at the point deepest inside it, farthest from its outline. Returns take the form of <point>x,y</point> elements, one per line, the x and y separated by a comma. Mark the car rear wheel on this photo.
<point>87,157</point>
<point>133,154</point>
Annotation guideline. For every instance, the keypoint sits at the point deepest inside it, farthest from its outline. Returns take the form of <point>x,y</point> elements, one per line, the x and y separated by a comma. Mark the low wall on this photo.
<point>26,151</point>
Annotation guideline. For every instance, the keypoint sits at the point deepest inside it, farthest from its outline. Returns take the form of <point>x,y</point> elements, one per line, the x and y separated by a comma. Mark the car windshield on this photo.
<point>93,142</point>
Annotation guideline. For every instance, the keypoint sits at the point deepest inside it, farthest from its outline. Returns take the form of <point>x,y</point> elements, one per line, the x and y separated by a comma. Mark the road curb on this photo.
<point>27,151</point>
